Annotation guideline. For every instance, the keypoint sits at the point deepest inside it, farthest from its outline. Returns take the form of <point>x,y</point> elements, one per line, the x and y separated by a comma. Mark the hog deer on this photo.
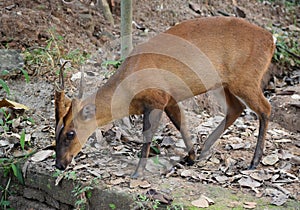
<point>188,59</point>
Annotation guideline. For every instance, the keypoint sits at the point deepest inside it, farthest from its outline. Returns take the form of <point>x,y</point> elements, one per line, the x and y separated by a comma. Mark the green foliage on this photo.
<point>175,207</point>
<point>83,193</point>
<point>112,206</point>
<point>287,3</point>
<point>17,172</point>
<point>29,119</point>
<point>50,55</point>
<point>287,49</point>
<point>25,73</point>
<point>5,86</point>
<point>10,167</point>
<point>144,202</point>
<point>4,203</point>
<point>5,122</point>
<point>115,64</point>
<point>57,173</point>
<point>71,175</point>
<point>22,139</point>
<point>156,160</point>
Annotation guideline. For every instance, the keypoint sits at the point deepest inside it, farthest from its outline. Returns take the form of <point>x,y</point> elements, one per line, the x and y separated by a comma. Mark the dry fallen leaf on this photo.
<point>139,183</point>
<point>221,179</point>
<point>187,173</point>
<point>200,203</point>
<point>270,159</point>
<point>119,173</point>
<point>145,185</point>
<point>234,204</point>
<point>203,202</point>
<point>210,201</point>
<point>261,175</point>
<point>4,143</point>
<point>278,197</point>
<point>154,195</point>
<point>250,205</point>
<point>12,104</point>
<point>117,181</point>
<point>42,155</point>
<point>249,182</point>
<point>77,167</point>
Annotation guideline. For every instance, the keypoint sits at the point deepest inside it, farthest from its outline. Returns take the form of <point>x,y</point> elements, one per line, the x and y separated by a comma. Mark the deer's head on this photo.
<point>74,122</point>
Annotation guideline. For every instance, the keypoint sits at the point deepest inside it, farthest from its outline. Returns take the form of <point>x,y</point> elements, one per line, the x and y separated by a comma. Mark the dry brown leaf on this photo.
<point>249,182</point>
<point>12,104</point>
<point>187,173</point>
<point>119,147</point>
<point>42,155</point>
<point>154,195</point>
<point>261,175</point>
<point>270,159</point>
<point>139,183</point>
<point>117,181</point>
<point>250,205</point>
<point>145,185</point>
<point>4,143</point>
<point>221,179</point>
<point>119,173</point>
<point>77,167</point>
<point>295,160</point>
<point>200,203</point>
<point>203,202</point>
<point>278,197</point>
<point>210,201</point>
<point>234,204</point>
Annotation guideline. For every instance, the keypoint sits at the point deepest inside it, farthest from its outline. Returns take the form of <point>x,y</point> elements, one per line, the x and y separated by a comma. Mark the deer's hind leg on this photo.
<point>234,109</point>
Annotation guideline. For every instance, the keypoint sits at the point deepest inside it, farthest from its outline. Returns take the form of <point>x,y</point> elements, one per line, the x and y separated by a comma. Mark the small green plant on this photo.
<point>4,202</point>
<point>143,202</point>
<point>10,167</point>
<point>25,73</point>
<point>115,63</point>
<point>287,49</point>
<point>156,160</point>
<point>83,193</point>
<point>57,173</point>
<point>5,86</point>
<point>71,175</point>
<point>5,122</point>
<point>112,206</point>
<point>22,139</point>
<point>49,56</point>
<point>175,207</point>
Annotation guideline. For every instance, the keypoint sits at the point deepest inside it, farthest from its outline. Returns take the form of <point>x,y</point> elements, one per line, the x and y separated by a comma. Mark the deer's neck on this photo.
<point>113,102</point>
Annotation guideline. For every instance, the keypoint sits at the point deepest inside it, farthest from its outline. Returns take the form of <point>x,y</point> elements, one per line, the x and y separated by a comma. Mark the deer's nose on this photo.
<point>59,165</point>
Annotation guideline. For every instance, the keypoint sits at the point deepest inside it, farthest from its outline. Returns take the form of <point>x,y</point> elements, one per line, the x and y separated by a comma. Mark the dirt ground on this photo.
<point>112,151</point>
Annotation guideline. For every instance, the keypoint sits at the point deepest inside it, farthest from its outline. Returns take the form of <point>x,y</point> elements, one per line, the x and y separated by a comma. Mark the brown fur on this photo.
<point>190,58</point>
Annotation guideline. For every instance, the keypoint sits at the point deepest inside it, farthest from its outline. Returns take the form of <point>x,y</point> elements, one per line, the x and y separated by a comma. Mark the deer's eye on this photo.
<point>71,135</point>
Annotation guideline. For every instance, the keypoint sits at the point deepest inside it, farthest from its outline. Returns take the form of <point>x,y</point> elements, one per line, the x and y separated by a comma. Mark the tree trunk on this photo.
<point>106,11</point>
<point>126,27</point>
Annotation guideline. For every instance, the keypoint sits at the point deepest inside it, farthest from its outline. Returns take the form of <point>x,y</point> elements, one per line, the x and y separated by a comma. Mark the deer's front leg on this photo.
<point>150,124</point>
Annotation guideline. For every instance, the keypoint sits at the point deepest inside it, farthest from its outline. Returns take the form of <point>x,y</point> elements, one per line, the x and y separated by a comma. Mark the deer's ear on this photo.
<point>62,105</point>
<point>88,112</point>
